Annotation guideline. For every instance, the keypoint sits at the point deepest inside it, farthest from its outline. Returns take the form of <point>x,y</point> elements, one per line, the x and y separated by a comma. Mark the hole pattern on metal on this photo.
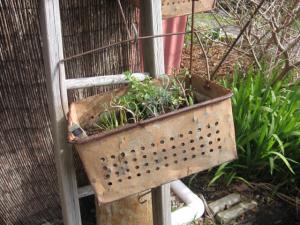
<point>174,2</point>
<point>133,164</point>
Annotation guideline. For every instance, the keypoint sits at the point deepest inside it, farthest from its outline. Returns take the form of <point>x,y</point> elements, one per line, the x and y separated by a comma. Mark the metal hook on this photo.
<point>140,196</point>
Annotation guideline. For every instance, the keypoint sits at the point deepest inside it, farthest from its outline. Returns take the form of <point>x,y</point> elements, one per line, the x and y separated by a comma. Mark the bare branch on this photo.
<point>205,55</point>
<point>274,34</point>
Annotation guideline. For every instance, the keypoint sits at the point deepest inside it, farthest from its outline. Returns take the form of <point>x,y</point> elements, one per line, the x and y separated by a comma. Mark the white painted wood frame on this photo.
<point>87,82</point>
<point>53,52</point>
<point>153,57</point>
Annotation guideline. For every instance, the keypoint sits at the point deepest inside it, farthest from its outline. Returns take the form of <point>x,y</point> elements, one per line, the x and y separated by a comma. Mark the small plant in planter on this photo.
<point>145,100</point>
<point>152,132</point>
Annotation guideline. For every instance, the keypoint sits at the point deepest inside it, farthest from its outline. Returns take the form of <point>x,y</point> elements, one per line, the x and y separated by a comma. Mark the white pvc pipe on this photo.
<point>194,208</point>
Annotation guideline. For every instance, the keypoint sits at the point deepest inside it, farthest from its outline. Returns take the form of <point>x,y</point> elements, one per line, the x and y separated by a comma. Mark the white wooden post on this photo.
<point>161,205</point>
<point>53,52</point>
<point>153,49</point>
<point>153,56</point>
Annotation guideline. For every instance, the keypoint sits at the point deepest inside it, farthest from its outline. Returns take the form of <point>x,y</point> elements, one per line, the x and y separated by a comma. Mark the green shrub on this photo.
<point>267,123</point>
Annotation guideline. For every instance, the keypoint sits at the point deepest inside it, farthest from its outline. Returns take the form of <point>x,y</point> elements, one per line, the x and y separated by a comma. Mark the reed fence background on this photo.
<point>28,186</point>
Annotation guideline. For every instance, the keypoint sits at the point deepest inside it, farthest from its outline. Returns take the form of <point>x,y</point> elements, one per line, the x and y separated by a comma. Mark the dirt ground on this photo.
<point>270,211</point>
<point>214,54</point>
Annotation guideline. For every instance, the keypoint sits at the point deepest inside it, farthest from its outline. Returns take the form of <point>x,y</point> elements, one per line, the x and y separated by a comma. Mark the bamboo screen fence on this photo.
<point>28,186</point>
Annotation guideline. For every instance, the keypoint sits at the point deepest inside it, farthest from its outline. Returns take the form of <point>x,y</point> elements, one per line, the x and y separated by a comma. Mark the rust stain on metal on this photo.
<point>137,157</point>
<point>125,211</point>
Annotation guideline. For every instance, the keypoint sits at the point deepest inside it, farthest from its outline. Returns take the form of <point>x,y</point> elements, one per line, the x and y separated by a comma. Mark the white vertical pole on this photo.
<point>161,205</point>
<point>153,49</point>
<point>53,52</point>
<point>153,56</point>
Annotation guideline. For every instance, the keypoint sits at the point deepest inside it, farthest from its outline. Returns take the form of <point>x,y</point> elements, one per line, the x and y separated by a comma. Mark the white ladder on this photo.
<point>57,96</point>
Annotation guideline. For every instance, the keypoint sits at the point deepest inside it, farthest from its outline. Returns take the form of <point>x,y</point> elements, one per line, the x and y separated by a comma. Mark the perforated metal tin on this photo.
<point>156,151</point>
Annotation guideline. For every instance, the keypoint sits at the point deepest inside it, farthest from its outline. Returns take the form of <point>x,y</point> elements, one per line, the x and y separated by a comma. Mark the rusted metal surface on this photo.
<point>134,210</point>
<point>91,106</point>
<point>156,151</point>
<point>171,8</point>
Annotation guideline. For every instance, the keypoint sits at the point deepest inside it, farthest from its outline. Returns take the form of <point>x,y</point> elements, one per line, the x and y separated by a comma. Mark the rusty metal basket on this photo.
<point>147,154</point>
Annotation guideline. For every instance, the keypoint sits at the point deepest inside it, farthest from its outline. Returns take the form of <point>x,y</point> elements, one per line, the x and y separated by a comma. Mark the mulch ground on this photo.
<point>214,54</point>
<point>270,211</point>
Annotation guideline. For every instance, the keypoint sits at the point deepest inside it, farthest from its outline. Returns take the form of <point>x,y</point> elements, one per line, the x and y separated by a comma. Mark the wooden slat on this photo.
<point>52,53</point>
<point>153,55</point>
<point>151,24</point>
<point>101,80</point>
<point>161,205</point>
<point>85,191</point>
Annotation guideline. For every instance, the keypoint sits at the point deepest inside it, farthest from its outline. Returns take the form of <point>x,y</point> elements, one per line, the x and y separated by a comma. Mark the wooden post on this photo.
<point>53,52</point>
<point>161,205</point>
<point>153,56</point>
<point>151,24</point>
<point>129,210</point>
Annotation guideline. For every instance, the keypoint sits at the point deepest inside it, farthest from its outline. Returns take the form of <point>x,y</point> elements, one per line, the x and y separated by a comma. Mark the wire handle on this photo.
<point>131,39</point>
<point>192,36</point>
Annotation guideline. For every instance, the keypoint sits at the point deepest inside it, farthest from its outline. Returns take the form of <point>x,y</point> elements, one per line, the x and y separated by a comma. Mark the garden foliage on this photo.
<point>267,123</point>
<point>146,99</point>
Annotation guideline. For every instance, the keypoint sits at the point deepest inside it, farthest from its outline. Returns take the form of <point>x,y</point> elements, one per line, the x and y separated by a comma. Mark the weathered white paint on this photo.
<point>161,205</point>
<point>153,49</point>
<point>101,80</point>
<point>53,52</point>
<point>85,191</point>
<point>153,56</point>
